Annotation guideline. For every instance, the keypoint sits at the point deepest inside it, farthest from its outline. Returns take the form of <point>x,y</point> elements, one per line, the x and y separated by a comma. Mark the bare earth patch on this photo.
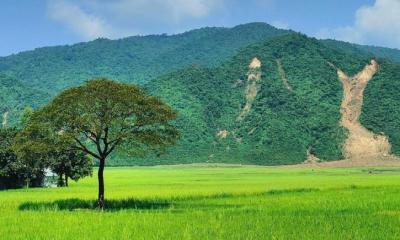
<point>5,119</point>
<point>222,134</point>
<point>252,88</point>
<point>283,75</point>
<point>361,143</point>
<point>362,148</point>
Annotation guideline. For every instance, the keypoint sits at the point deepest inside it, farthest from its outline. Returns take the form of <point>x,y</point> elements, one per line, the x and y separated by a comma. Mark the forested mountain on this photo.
<point>134,59</point>
<point>278,102</point>
<point>251,94</point>
<point>365,51</point>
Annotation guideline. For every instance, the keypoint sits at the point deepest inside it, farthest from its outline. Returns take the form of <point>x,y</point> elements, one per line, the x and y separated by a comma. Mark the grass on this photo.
<point>189,202</point>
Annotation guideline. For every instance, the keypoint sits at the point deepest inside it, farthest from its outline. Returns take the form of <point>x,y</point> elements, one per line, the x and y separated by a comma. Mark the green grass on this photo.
<point>189,202</point>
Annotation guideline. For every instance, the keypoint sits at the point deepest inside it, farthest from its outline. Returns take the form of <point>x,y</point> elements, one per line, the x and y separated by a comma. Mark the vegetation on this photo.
<point>212,203</point>
<point>96,119</point>
<point>364,51</point>
<point>381,111</point>
<point>15,96</point>
<point>282,123</point>
<point>23,162</point>
<point>134,59</point>
<point>203,75</point>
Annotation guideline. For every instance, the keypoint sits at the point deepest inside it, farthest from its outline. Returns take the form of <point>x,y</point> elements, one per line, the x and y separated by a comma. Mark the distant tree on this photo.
<point>31,159</point>
<point>70,164</point>
<point>102,116</point>
<point>10,176</point>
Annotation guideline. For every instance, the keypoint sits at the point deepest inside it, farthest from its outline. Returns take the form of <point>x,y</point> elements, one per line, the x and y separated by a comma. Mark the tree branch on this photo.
<point>85,149</point>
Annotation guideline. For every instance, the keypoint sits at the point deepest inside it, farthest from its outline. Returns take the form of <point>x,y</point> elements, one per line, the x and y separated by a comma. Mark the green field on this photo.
<point>192,202</point>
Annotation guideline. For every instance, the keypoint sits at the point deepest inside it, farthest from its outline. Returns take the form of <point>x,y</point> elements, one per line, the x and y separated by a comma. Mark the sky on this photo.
<point>28,24</point>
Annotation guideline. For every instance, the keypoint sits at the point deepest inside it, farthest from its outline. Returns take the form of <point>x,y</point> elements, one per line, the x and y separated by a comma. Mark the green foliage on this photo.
<point>102,116</point>
<point>203,75</point>
<point>14,171</point>
<point>363,50</point>
<point>70,164</point>
<point>281,125</point>
<point>15,96</point>
<point>381,110</point>
<point>134,59</point>
<point>9,176</point>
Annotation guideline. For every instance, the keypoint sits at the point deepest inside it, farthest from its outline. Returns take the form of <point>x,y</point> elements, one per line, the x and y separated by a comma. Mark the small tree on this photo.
<point>32,158</point>
<point>10,175</point>
<point>103,116</point>
<point>70,164</point>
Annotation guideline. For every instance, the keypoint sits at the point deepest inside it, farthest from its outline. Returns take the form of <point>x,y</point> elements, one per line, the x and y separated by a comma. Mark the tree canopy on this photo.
<point>102,116</point>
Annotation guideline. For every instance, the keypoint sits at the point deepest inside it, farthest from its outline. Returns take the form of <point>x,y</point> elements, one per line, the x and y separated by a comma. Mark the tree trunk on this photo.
<point>100,202</point>
<point>66,180</point>
<point>60,182</point>
<point>27,181</point>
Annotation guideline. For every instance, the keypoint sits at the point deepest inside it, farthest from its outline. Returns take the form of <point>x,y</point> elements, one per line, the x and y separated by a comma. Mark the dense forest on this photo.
<point>270,114</point>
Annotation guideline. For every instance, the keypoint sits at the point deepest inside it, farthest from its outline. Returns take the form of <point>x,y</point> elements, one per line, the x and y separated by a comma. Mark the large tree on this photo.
<point>103,116</point>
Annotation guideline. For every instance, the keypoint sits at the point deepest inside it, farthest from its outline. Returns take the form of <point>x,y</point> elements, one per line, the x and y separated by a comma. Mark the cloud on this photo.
<point>378,24</point>
<point>103,18</point>
<point>76,19</point>
<point>281,25</point>
<point>176,10</point>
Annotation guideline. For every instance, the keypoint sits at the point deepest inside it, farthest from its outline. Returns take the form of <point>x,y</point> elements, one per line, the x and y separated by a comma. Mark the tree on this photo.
<point>70,164</point>
<point>9,176</point>
<point>37,149</point>
<point>103,116</point>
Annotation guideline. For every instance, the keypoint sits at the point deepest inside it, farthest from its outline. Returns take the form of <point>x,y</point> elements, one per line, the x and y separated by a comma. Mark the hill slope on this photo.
<point>15,96</point>
<point>134,59</point>
<point>251,94</point>
<point>276,102</point>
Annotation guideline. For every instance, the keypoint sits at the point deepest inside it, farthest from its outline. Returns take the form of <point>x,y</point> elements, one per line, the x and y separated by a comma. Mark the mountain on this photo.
<point>134,59</point>
<point>363,50</point>
<point>284,100</point>
<point>251,94</point>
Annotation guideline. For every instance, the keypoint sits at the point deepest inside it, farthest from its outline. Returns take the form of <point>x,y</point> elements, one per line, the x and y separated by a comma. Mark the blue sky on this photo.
<point>27,24</point>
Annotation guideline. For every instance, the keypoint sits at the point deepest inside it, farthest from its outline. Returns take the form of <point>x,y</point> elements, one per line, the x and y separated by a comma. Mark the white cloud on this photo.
<point>281,25</point>
<point>103,18</point>
<point>75,18</point>
<point>378,24</point>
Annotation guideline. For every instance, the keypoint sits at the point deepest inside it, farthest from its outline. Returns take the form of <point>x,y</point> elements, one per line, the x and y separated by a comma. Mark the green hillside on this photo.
<point>362,50</point>
<point>134,59</point>
<point>281,112</point>
<point>381,111</point>
<point>296,107</point>
<point>15,96</point>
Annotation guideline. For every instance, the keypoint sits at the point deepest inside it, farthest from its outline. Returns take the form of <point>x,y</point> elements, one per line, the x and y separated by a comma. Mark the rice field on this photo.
<point>212,202</point>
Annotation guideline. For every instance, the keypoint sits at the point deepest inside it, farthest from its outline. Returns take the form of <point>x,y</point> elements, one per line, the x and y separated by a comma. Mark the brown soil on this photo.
<point>255,63</point>
<point>283,75</point>
<point>5,119</point>
<point>222,134</point>
<point>311,158</point>
<point>366,162</point>
<point>252,88</point>
<point>361,144</point>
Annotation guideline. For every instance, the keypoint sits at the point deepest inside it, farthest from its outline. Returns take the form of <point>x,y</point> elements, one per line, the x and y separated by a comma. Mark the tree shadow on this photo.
<point>74,204</point>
